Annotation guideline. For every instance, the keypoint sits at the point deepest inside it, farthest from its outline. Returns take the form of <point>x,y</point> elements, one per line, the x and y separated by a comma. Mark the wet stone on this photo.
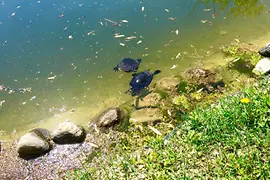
<point>109,117</point>
<point>68,133</point>
<point>34,143</point>
<point>265,51</point>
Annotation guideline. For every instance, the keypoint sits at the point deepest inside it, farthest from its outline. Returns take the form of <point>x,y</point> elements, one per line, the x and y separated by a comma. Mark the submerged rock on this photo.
<point>68,133</point>
<point>34,143</point>
<point>262,67</point>
<point>203,79</point>
<point>167,84</point>
<point>265,51</point>
<point>145,115</point>
<point>200,76</point>
<point>152,99</point>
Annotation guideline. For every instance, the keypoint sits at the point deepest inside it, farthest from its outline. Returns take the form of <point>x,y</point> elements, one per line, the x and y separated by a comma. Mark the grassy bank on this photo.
<point>229,139</point>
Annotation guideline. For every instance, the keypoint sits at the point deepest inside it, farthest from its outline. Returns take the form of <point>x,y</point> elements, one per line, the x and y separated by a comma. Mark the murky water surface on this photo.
<point>73,44</point>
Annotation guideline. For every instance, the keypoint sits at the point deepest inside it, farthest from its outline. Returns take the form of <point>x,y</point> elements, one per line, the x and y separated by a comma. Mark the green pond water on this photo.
<point>71,41</point>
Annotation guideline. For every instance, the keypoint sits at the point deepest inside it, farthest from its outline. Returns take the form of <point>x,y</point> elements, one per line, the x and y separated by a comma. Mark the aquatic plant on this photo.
<point>237,8</point>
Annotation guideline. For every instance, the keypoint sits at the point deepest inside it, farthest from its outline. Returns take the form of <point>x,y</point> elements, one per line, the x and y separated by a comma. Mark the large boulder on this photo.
<point>146,115</point>
<point>109,117</point>
<point>265,51</point>
<point>262,67</point>
<point>34,143</point>
<point>167,84</point>
<point>152,99</point>
<point>68,133</point>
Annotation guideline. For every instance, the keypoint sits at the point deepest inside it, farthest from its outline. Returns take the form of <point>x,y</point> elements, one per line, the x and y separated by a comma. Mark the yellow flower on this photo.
<point>245,100</point>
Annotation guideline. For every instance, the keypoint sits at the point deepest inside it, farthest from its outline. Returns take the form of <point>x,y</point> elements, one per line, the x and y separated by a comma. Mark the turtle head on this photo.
<point>156,72</point>
<point>116,68</point>
<point>139,60</point>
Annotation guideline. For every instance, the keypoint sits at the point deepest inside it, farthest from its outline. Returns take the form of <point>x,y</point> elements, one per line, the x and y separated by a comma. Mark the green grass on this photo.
<point>228,140</point>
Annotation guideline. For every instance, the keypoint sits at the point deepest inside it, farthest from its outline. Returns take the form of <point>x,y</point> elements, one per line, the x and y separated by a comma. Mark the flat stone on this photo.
<point>68,133</point>
<point>152,99</point>
<point>262,67</point>
<point>167,84</point>
<point>33,144</point>
<point>145,115</point>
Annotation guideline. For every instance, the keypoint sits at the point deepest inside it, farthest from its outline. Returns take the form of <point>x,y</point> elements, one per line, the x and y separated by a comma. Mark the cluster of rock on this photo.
<point>40,141</point>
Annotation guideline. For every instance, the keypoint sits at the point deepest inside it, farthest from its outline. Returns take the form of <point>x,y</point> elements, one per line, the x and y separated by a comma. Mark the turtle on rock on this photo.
<point>141,81</point>
<point>128,65</point>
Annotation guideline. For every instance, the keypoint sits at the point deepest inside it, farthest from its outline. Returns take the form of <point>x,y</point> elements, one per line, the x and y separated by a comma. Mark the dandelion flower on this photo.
<point>245,100</point>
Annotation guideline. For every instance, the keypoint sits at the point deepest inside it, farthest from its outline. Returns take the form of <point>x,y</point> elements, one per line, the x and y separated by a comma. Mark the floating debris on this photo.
<point>119,35</point>
<point>131,37</point>
<point>91,33</point>
<point>139,42</point>
<point>204,21</point>
<point>122,44</point>
<point>110,21</point>
<point>142,8</point>
<point>2,102</point>
<point>177,32</point>
<point>113,22</point>
<point>60,16</point>
<point>51,78</point>
<point>172,18</point>
<point>125,21</point>
<point>13,14</point>
<point>32,98</point>
<point>70,37</point>
<point>173,67</point>
<point>167,10</point>
<point>178,55</point>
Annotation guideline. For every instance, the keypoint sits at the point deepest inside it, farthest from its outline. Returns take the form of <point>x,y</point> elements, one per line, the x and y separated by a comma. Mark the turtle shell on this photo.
<point>128,65</point>
<point>140,81</point>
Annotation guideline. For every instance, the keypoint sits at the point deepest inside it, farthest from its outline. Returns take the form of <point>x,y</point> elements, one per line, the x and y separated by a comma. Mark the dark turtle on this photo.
<point>140,81</point>
<point>128,65</point>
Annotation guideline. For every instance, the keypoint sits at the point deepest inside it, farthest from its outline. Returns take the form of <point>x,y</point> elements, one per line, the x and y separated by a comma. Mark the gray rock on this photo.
<point>34,143</point>
<point>145,115</point>
<point>265,51</point>
<point>152,99</point>
<point>262,67</point>
<point>109,117</point>
<point>68,133</point>
<point>167,84</point>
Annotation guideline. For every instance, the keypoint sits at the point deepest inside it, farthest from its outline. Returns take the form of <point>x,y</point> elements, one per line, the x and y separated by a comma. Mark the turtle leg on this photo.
<point>116,68</point>
<point>134,69</point>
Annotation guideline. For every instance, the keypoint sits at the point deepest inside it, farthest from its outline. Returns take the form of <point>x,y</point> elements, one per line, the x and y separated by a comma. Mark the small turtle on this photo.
<point>140,81</point>
<point>128,65</point>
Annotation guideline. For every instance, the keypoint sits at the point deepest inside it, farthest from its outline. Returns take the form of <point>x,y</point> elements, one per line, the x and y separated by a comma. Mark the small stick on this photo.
<point>110,21</point>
